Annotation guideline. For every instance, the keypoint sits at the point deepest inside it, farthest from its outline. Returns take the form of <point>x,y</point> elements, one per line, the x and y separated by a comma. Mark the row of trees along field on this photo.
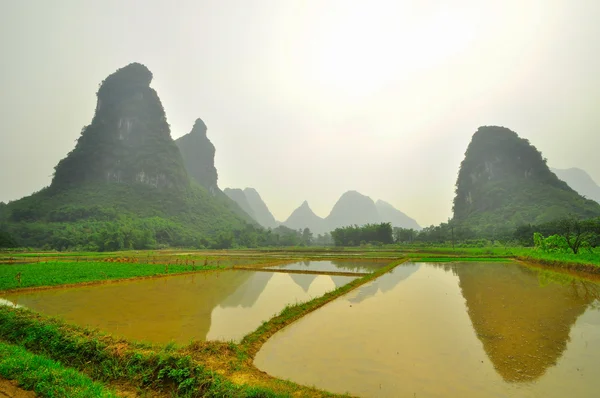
<point>150,233</point>
<point>359,235</point>
<point>566,234</point>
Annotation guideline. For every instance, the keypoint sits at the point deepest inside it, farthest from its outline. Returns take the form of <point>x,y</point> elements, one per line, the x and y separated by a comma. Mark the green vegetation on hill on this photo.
<point>504,182</point>
<point>120,216</point>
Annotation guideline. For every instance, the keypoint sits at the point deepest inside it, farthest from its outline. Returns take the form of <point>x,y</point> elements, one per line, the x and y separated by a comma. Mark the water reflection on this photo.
<point>219,305</point>
<point>383,284</point>
<point>437,330</point>
<point>364,266</point>
<point>524,325</point>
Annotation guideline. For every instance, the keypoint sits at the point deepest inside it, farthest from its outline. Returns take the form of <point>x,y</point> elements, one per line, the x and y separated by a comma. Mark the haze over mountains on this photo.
<point>352,208</point>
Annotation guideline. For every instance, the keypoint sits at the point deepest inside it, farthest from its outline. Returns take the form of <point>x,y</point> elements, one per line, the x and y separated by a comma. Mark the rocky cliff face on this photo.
<point>128,141</point>
<point>580,181</point>
<point>504,180</point>
<point>199,156</point>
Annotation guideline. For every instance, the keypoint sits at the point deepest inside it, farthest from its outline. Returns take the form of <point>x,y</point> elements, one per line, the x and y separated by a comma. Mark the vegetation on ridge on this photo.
<point>504,181</point>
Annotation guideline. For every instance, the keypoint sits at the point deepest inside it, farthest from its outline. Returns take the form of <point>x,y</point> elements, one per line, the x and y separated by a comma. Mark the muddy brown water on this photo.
<point>333,266</point>
<point>223,305</point>
<point>449,330</point>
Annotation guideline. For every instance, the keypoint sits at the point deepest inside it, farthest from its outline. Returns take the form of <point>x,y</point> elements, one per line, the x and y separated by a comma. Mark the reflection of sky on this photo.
<point>233,320</point>
<point>9,303</point>
<point>333,266</point>
<point>249,291</point>
<point>303,280</point>
<point>384,283</point>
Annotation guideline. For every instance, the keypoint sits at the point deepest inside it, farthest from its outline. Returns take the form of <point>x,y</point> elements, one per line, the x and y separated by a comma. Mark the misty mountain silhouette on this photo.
<point>352,208</point>
<point>580,181</point>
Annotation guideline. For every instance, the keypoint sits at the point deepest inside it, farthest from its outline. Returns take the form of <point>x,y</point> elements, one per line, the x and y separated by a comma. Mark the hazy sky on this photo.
<point>309,99</point>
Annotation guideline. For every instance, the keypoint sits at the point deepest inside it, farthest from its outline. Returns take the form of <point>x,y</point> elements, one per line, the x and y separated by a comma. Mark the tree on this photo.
<point>307,237</point>
<point>576,232</point>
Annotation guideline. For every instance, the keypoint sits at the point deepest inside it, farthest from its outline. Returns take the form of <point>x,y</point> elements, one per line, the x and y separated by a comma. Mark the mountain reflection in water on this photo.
<point>223,305</point>
<point>456,329</point>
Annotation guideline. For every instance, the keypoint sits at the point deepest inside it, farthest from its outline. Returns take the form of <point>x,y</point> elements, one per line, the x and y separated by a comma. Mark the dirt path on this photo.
<point>8,388</point>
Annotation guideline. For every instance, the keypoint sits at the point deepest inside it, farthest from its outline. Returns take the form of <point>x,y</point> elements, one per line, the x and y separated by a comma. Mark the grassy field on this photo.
<point>55,273</point>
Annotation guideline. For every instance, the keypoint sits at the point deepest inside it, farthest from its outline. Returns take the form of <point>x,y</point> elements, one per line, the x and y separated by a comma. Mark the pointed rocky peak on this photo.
<point>504,181</point>
<point>305,205</point>
<point>199,127</point>
<point>304,217</point>
<point>128,141</point>
<point>199,156</point>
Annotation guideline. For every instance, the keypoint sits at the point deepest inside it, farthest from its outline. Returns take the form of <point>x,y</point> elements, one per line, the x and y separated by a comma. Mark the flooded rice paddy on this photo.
<point>224,305</point>
<point>449,330</point>
<point>358,267</point>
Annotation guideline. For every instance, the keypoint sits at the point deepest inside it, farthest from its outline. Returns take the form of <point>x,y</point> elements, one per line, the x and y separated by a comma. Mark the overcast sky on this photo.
<point>305,100</point>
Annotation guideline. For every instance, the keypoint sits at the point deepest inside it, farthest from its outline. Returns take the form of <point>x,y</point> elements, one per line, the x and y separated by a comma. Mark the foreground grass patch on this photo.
<point>60,273</point>
<point>47,378</point>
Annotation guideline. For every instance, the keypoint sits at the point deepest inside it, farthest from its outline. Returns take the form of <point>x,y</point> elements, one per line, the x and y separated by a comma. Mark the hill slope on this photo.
<point>580,181</point>
<point>388,213</point>
<point>503,181</point>
<point>238,196</point>
<point>124,185</point>
<point>262,214</point>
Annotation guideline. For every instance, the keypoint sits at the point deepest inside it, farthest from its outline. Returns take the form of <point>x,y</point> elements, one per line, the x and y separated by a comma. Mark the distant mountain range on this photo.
<point>580,181</point>
<point>352,208</point>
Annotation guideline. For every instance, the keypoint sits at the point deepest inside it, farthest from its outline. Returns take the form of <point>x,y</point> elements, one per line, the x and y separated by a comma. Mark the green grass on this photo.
<point>47,378</point>
<point>59,272</point>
